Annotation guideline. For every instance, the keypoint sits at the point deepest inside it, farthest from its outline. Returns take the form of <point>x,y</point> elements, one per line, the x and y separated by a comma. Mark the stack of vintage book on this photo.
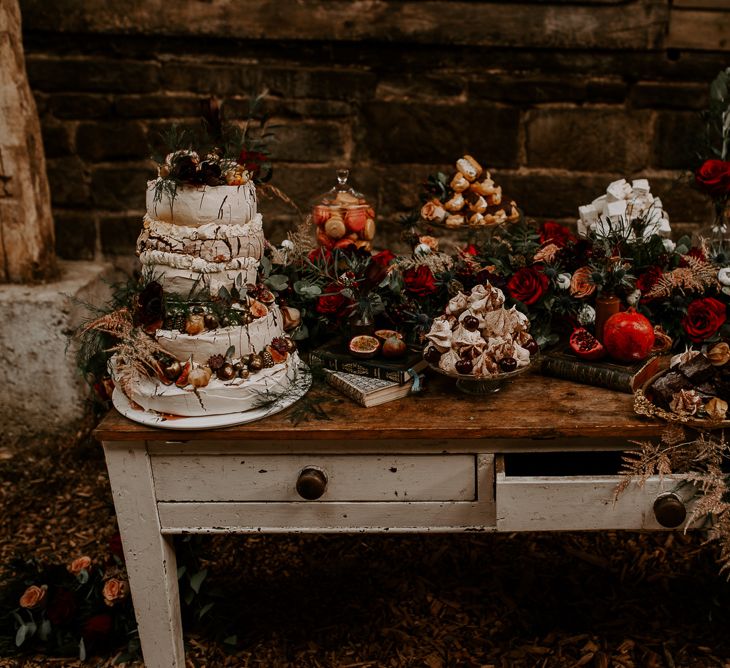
<point>369,382</point>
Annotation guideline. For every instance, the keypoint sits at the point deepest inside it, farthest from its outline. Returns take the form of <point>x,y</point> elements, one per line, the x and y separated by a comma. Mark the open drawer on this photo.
<point>575,491</point>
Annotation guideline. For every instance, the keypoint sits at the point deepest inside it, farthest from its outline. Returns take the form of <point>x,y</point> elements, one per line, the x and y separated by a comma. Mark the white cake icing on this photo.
<point>195,206</point>
<point>218,397</point>
<point>245,339</point>
<point>185,274</point>
<point>214,242</point>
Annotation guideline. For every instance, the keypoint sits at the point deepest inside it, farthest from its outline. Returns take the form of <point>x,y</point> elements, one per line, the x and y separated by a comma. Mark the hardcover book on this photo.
<point>561,363</point>
<point>368,391</point>
<point>335,356</point>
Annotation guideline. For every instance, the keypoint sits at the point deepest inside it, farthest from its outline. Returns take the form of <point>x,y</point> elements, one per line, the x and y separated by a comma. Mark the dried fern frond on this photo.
<point>697,276</point>
<point>301,238</point>
<point>436,262</point>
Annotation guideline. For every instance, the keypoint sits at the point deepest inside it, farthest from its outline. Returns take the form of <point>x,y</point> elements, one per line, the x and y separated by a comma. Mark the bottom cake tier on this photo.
<point>218,397</point>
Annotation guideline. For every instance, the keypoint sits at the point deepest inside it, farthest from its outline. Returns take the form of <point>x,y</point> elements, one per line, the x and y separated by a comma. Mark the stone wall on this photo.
<point>558,97</point>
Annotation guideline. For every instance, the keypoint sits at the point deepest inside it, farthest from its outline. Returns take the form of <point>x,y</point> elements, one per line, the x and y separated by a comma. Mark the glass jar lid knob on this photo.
<point>342,176</point>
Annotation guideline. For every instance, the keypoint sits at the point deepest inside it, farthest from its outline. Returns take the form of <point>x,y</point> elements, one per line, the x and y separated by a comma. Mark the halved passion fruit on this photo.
<point>385,334</point>
<point>364,346</point>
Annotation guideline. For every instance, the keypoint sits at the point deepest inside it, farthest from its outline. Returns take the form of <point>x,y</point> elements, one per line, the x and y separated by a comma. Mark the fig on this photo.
<point>394,347</point>
<point>258,310</point>
<point>172,371</point>
<point>182,379</point>
<point>508,364</point>
<point>628,336</point>
<point>470,323</point>
<point>277,357</point>
<point>464,366</point>
<point>199,377</point>
<point>364,346</point>
<point>385,334</point>
<point>432,355</point>
<point>585,345</point>
<point>210,321</point>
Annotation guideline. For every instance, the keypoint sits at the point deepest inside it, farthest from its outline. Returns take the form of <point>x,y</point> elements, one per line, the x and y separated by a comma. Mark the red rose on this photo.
<point>528,285</point>
<point>704,317</point>
<point>97,628</point>
<point>552,232</point>
<point>714,178</point>
<point>383,258</point>
<point>648,279</point>
<point>419,281</point>
<point>332,302</point>
<point>251,160</point>
<point>471,249</point>
<point>61,607</point>
<point>319,255</point>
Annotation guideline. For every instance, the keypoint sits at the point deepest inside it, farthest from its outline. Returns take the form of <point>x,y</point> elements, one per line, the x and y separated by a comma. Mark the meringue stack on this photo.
<point>623,203</point>
<point>478,330</point>
<point>473,199</point>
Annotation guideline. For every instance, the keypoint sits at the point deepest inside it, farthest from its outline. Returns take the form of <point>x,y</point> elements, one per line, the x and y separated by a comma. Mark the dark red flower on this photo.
<point>97,628</point>
<point>713,178</point>
<point>696,253</point>
<point>471,249</point>
<point>554,233</point>
<point>528,285</point>
<point>649,279</point>
<point>252,160</point>
<point>115,546</point>
<point>331,302</point>
<point>383,258</point>
<point>704,317</point>
<point>61,607</point>
<point>320,255</point>
<point>419,281</point>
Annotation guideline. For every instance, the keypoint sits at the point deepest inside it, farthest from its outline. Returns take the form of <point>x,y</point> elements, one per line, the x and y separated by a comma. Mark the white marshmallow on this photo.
<point>615,190</point>
<point>640,186</point>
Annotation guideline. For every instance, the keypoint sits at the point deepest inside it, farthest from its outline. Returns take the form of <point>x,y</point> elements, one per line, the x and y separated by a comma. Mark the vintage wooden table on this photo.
<point>542,454</point>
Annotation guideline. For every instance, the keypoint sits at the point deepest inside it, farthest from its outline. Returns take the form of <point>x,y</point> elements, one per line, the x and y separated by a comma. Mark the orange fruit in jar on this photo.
<point>368,231</point>
<point>323,239</point>
<point>321,214</point>
<point>344,243</point>
<point>355,219</point>
<point>334,228</point>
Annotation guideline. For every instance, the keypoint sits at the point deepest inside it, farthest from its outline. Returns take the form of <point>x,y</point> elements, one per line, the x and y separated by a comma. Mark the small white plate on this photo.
<point>298,389</point>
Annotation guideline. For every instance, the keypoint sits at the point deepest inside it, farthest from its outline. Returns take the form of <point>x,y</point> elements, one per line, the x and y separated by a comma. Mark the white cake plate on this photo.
<point>298,389</point>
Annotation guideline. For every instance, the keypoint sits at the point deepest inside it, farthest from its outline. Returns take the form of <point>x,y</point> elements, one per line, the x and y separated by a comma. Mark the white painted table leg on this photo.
<point>149,555</point>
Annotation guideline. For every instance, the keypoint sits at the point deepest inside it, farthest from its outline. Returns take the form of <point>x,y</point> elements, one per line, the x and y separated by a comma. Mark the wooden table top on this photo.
<point>532,407</point>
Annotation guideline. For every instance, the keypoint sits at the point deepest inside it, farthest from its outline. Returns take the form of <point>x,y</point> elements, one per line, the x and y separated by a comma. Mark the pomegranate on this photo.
<point>585,345</point>
<point>628,336</point>
<point>394,347</point>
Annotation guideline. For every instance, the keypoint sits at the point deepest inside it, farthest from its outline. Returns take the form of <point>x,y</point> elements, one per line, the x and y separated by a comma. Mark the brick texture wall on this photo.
<point>559,98</point>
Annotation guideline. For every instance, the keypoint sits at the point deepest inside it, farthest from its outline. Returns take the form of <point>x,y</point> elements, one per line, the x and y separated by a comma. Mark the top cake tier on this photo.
<point>193,206</point>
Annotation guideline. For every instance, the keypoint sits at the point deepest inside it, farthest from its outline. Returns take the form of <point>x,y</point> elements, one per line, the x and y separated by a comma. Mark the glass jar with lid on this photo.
<point>343,217</point>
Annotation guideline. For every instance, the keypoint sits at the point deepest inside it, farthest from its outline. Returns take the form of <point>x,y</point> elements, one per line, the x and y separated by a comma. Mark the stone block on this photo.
<point>419,86</point>
<point>75,234</point>
<point>104,141</point>
<point>681,201</point>
<point>678,137</point>
<point>57,141</point>
<point>203,79</point>
<point>666,95</point>
<point>301,183</point>
<point>394,132</point>
<point>92,74</point>
<point>309,142</point>
<point>320,83</point>
<point>120,188</point>
<point>80,105</point>
<point>238,108</point>
<point>157,106</point>
<point>69,182</point>
<point>119,234</point>
<point>591,140</point>
<point>49,395</point>
<point>541,88</point>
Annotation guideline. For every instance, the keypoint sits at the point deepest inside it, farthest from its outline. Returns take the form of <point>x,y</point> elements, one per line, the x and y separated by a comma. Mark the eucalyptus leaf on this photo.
<point>266,266</point>
<point>197,580</point>
<point>300,333</point>
<point>82,650</point>
<point>181,571</point>
<point>277,282</point>
<point>21,634</point>
<point>231,640</point>
<point>44,632</point>
<point>205,609</point>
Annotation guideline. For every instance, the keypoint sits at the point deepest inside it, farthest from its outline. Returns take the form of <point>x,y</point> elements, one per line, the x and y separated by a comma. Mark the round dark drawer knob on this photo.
<point>669,510</point>
<point>311,483</point>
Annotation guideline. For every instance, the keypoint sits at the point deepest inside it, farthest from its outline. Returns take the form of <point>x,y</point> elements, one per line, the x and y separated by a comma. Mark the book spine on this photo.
<point>582,372</point>
<point>346,388</point>
<point>354,367</point>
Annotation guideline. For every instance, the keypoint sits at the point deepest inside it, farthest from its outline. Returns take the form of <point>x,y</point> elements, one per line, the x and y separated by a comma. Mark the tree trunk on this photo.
<point>27,250</point>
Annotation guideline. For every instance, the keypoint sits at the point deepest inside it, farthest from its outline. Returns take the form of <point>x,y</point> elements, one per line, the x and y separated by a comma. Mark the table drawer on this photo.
<point>353,478</point>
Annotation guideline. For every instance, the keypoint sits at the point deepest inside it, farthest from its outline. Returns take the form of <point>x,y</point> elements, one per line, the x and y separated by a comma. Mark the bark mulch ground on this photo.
<point>604,599</point>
